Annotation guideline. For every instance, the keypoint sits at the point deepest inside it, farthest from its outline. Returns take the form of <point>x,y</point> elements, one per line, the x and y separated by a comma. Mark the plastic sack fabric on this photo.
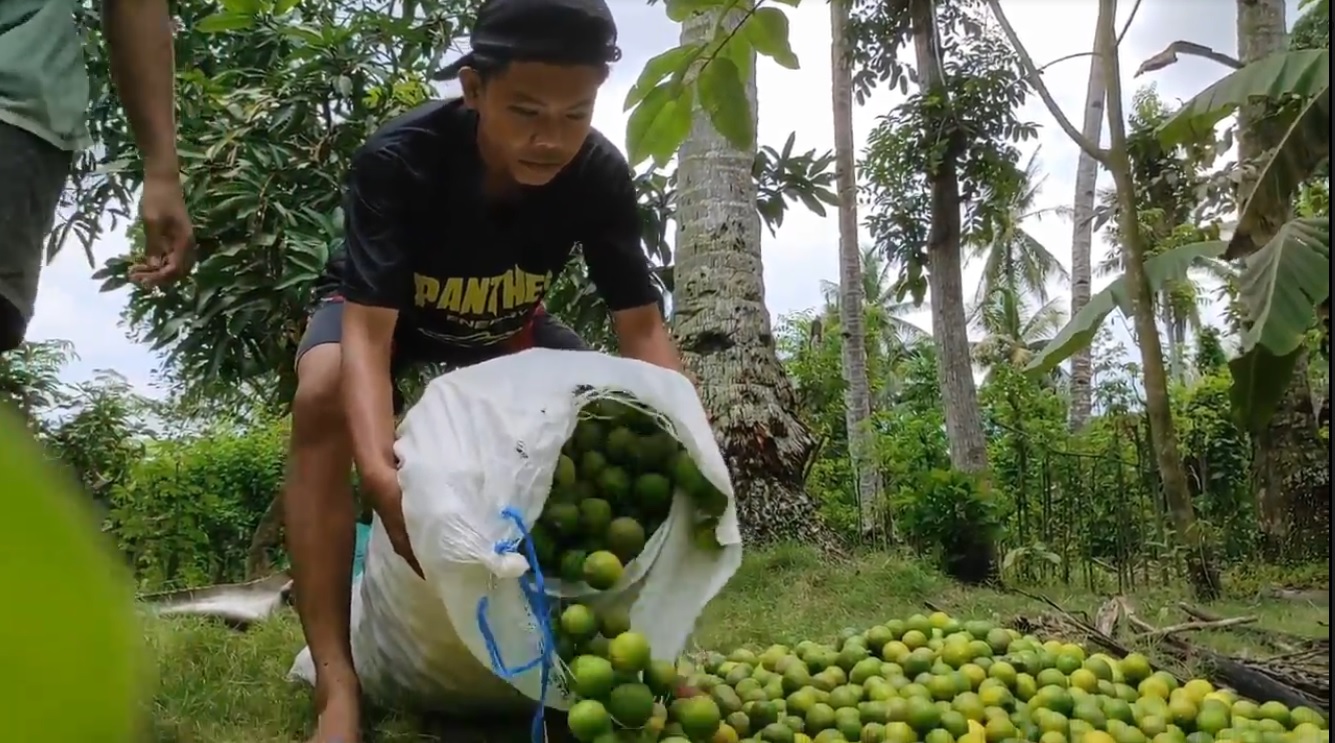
<point>477,454</point>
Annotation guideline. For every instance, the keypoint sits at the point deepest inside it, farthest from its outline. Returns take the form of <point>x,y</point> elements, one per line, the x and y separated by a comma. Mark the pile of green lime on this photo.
<point>927,679</point>
<point>624,695</point>
<point>612,488</point>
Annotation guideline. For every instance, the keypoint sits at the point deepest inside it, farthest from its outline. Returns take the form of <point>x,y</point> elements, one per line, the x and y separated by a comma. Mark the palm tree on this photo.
<point>887,330</point>
<point>890,338</point>
<point>723,328</point>
<point>1015,329</point>
<point>1014,260</point>
<point>857,402</point>
<point>1082,233</point>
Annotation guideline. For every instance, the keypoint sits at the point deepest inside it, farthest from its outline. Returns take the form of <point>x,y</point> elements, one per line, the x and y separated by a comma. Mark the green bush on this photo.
<point>185,513</point>
<point>950,517</point>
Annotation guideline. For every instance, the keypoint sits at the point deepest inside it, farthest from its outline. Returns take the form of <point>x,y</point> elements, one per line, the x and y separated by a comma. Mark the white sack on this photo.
<point>486,438</point>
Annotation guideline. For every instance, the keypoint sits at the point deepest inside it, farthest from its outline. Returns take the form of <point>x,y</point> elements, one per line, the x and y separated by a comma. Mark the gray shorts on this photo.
<point>325,325</point>
<point>32,175</point>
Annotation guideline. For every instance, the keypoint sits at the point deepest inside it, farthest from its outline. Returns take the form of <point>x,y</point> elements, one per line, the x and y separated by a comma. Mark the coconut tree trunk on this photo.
<point>852,300</point>
<point>1288,451</point>
<point>722,326</point>
<point>1163,437</point>
<point>1082,236</point>
<point>975,558</point>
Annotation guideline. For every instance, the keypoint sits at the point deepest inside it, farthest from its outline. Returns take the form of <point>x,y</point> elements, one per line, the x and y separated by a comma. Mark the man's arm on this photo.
<point>642,335</point>
<point>376,284</point>
<point>620,271</point>
<point>139,36</point>
<point>368,392</point>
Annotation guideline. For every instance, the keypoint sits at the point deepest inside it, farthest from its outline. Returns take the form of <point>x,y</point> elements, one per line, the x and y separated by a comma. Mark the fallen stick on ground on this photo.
<point>1173,629</point>
<point>1283,641</point>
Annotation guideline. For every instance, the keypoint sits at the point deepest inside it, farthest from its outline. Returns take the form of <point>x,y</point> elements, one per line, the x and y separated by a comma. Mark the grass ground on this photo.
<point>219,686</point>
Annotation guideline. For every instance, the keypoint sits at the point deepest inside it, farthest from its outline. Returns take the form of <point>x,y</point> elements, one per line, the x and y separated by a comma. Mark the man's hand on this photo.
<point>169,236</point>
<point>387,502</point>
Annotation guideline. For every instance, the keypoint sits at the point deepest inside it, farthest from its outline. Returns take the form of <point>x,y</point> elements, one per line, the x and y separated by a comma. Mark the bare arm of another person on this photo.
<point>377,283</point>
<point>139,37</point>
<point>620,271</point>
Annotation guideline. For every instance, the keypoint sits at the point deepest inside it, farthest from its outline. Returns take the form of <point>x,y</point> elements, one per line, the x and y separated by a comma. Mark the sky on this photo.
<point>805,250</point>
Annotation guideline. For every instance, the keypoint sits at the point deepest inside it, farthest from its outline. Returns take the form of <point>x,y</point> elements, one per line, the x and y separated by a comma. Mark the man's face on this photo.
<point>534,116</point>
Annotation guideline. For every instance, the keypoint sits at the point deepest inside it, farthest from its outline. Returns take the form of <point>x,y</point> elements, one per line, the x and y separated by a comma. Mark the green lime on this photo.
<point>661,677</point>
<point>588,719</point>
<point>625,538</point>
<point>572,566</point>
<point>73,668</point>
<point>629,652</point>
<point>699,717</point>
<point>591,465</point>
<point>652,494</point>
<point>564,477</point>
<point>631,705</point>
<point>613,619</point>
<point>561,517</point>
<point>621,445</point>
<point>614,484</point>
<point>601,570</point>
<point>578,622</point>
<point>593,676</point>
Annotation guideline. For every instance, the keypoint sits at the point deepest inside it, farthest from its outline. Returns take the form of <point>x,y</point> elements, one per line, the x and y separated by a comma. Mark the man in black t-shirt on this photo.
<point>459,215</point>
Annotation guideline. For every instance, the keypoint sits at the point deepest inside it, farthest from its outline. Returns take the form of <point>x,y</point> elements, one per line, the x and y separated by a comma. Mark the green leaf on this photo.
<point>672,62</point>
<point>680,10</point>
<point>224,22</point>
<point>1305,73</point>
<point>723,98</point>
<point>1282,284</point>
<point>767,30</point>
<point>740,51</point>
<point>1260,379</point>
<point>811,203</point>
<point>243,7</point>
<point>658,125</point>
<point>1304,147</point>
<point>1080,331</point>
<point>283,7</point>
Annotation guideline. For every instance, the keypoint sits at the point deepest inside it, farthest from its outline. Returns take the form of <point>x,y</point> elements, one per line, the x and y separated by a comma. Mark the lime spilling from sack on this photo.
<point>612,489</point>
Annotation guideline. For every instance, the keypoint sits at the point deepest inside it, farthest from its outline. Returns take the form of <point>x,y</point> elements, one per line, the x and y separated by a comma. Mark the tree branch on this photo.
<point>1031,72</point>
<point>1169,57</point>
<point>1127,26</point>
<point>1059,60</point>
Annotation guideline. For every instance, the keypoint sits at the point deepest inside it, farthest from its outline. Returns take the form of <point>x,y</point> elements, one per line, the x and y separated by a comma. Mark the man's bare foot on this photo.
<point>338,713</point>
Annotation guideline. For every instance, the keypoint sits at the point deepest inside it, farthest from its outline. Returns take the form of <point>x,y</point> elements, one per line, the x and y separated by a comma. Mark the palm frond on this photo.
<point>1044,323</point>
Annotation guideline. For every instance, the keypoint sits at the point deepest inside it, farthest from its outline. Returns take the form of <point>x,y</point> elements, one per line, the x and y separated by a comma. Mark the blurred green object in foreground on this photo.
<point>71,662</point>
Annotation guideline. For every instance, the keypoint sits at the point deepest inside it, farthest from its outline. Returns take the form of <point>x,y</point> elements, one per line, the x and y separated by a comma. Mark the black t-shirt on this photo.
<point>465,272</point>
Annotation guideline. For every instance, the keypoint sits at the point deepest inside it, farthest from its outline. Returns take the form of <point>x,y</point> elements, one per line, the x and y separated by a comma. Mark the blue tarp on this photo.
<point>359,550</point>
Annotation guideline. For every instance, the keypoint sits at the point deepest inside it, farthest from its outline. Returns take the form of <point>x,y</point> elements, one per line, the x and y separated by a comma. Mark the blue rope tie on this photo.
<point>535,591</point>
